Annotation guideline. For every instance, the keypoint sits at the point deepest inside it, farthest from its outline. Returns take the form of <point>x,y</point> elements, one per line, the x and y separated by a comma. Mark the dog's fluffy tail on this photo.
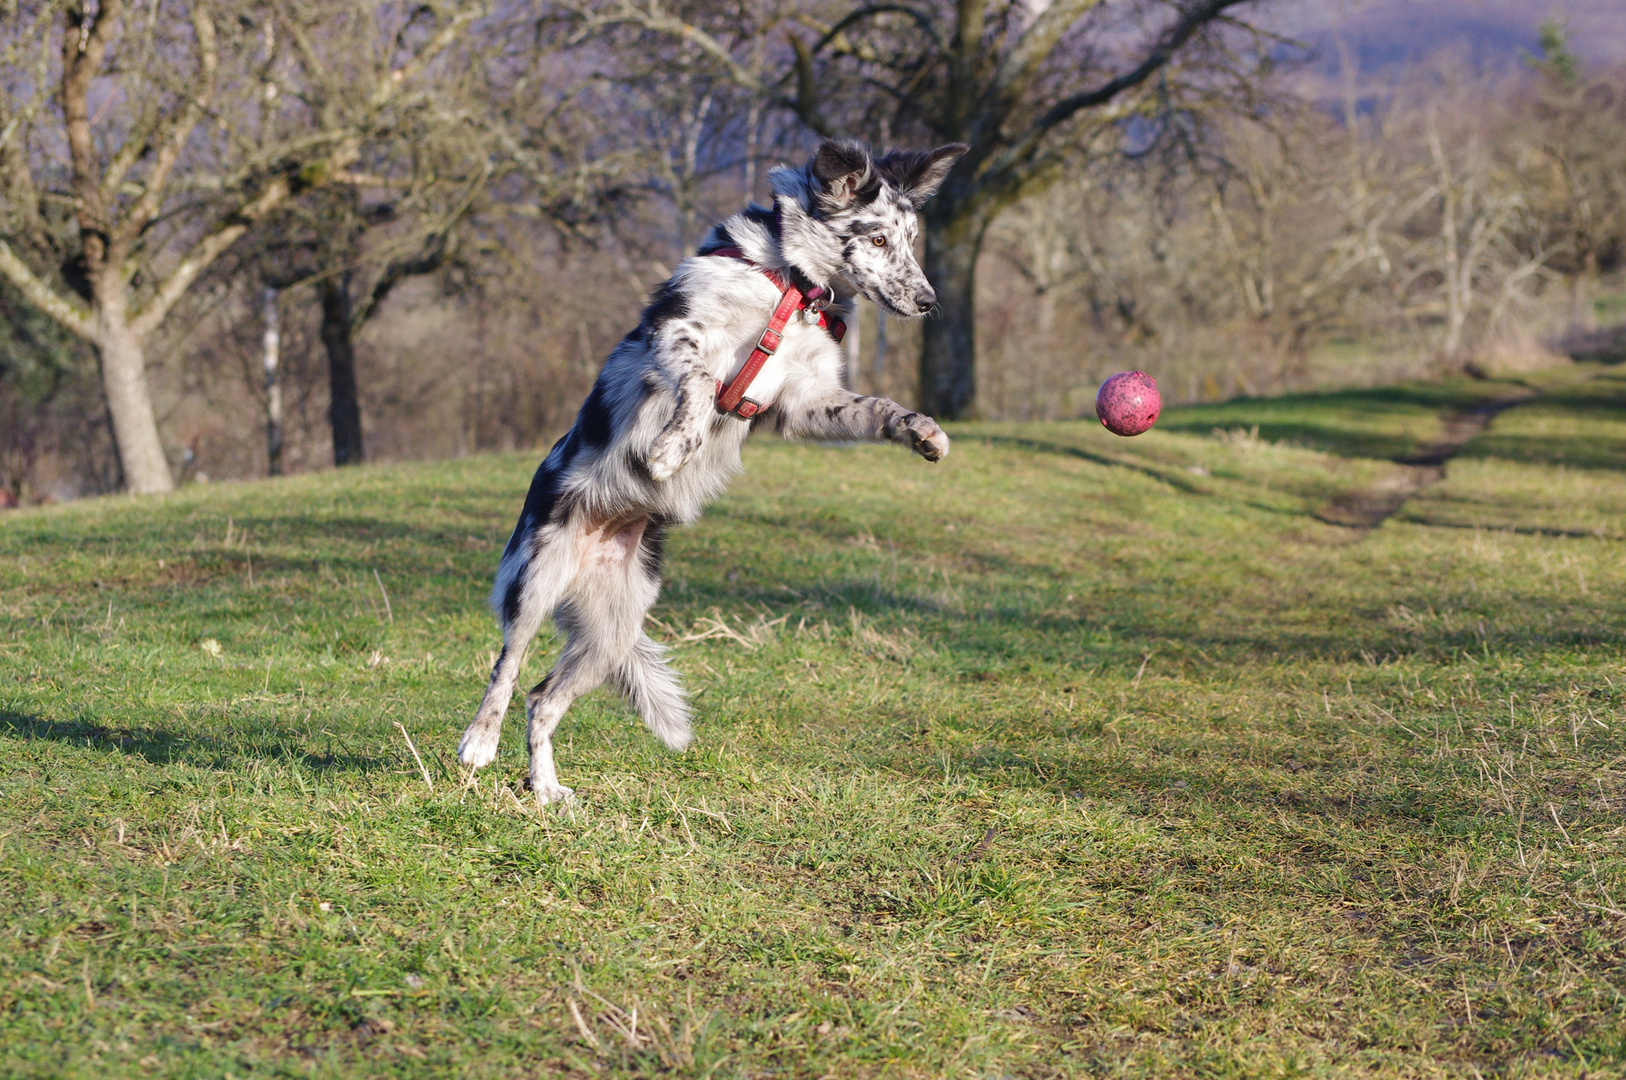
<point>652,688</point>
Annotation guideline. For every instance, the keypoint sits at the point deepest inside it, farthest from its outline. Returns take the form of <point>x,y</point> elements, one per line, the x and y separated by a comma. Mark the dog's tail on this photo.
<point>652,688</point>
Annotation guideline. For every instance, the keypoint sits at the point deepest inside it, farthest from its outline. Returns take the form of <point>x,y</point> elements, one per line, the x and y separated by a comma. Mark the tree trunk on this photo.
<point>344,410</point>
<point>877,373</point>
<point>271,361</point>
<point>1583,316</point>
<point>948,355</point>
<point>124,381</point>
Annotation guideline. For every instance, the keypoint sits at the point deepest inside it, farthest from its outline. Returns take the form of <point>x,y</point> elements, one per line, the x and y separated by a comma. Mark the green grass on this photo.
<point>1070,756</point>
<point>1384,422</point>
<point>1610,307</point>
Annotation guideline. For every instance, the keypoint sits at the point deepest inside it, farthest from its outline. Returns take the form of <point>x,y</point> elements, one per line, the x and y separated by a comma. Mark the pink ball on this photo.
<point>1128,403</point>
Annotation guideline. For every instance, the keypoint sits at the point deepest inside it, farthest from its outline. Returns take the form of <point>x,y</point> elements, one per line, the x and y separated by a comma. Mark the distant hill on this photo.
<point>1384,33</point>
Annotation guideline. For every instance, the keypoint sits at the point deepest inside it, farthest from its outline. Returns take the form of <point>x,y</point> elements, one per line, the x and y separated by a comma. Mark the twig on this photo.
<point>1144,660</point>
<point>712,814</point>
<point>415,757</point>
<point>684,818</point>
<point>387,610</point>
<point>1553,810</point>
<point>581,1025</point>
<point>718,628</point>
<point>1616,912</point>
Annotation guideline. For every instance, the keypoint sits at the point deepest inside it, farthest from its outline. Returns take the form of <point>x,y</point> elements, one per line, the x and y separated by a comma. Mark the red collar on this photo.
<point>732,399</point>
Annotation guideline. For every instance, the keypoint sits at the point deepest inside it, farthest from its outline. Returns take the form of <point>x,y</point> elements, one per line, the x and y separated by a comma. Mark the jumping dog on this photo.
<point>756,312</point>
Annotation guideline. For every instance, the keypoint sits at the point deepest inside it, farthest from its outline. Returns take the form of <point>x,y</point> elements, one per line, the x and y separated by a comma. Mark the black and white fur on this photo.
<point>649,449</point>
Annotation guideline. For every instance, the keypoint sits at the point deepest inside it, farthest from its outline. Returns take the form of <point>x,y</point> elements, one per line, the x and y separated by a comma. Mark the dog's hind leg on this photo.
<point>527,588</point>
<point>651,687</point>
<point>643,677</point>
<point>602,617</point>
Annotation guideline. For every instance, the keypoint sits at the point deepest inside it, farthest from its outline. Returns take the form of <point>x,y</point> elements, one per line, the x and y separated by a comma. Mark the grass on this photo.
<point>1071,756</point>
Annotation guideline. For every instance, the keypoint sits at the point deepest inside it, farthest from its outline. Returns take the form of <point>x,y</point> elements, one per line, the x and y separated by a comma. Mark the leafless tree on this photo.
<point>141,145</point>
<point>1575,118</point>
<point>1023,84</point>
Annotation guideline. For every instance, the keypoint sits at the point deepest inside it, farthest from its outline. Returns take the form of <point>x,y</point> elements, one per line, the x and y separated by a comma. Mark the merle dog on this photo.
<point>653,443</point>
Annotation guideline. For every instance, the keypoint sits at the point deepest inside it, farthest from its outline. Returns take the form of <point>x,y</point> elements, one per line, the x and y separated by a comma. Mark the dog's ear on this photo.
<point>917,174</point>
<point>845,173</point>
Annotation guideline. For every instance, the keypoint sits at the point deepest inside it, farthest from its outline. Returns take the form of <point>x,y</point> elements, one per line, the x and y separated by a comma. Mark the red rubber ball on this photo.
<point>1128,403</point>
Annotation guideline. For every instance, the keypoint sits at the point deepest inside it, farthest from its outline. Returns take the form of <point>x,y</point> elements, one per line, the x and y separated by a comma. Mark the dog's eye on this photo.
<point>878,240</point>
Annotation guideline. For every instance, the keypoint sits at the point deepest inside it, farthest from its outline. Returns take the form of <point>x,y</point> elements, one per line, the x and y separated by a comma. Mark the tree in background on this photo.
<point>173,133</point>
<point>492,137</point>
<point>1576,119</point>
<point>420,166</point>
<point>1026,86</point>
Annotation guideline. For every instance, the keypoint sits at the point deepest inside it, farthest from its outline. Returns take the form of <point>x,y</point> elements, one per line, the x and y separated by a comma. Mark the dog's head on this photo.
<point>867,208</point>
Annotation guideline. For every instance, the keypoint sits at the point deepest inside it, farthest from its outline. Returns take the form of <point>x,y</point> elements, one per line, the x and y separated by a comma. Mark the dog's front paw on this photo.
<point>926,438</point>
<point>670,453</point>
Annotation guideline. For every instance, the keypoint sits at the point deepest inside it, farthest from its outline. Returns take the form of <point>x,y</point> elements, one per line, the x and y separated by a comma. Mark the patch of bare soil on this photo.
<point>1371,506</point>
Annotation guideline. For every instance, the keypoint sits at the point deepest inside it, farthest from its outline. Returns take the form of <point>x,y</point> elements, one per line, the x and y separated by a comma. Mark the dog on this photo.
<point>757,311</point>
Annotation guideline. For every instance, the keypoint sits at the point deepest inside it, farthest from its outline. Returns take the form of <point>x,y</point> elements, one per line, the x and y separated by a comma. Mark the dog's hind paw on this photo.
<point>479,746</point>
<point>556,794</point>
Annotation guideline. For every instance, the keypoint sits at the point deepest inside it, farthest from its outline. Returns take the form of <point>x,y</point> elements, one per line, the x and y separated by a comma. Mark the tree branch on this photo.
<point>204,252</point>
<point>806,104</point>
<point>962,58</point>
<point>654,19</point>
<point>71,314</point>
<point>1167,45</point>
<point>429,257</point>
<point>84,46</point>
<point>135,145</point>
<point>923,20</point>
<point>1019,67</point>
<point>449,33</point>
<point>173,132</point>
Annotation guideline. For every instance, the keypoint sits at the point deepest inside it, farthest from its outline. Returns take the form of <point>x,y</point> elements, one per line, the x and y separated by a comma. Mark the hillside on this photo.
<point>1283,740</point>
<point>1389,33</point>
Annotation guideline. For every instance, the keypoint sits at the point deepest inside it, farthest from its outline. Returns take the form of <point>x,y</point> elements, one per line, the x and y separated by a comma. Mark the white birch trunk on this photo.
<point>271,358</point>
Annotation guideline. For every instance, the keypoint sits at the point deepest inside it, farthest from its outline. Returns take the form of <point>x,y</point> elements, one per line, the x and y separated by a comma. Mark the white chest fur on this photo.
<point>805,351</point>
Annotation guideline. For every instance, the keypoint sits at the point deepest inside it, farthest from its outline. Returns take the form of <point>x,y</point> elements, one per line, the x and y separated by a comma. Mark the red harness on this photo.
<point>732,399</point>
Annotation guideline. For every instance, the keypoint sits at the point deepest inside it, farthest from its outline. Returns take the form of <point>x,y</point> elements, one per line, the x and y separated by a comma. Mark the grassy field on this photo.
<point>1070,756</point>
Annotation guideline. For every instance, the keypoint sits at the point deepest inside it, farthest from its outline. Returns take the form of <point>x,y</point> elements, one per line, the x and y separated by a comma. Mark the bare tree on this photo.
<point>164,161</point>
<point>493,141</point>
<point>1575,118</point>
<point>1023,84</point>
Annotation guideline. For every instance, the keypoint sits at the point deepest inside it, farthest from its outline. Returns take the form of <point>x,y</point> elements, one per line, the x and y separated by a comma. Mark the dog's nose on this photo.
<point>925,299</point>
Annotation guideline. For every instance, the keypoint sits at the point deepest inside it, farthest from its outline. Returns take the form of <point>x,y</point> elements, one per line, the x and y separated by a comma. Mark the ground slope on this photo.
<point>1072,755</point>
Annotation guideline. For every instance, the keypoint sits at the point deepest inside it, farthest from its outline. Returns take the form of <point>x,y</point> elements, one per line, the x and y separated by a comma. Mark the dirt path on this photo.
<point>1371,506</point>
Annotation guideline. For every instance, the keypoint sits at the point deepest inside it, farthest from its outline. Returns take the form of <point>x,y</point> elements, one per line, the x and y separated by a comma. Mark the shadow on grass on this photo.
<point>1381,422</point>
<point>199,749</point>
<point>1331,792</point>
<point>1116,625</point>
<point>1165,476</point>
<point>1579,427</point>
<point>355,545</point>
